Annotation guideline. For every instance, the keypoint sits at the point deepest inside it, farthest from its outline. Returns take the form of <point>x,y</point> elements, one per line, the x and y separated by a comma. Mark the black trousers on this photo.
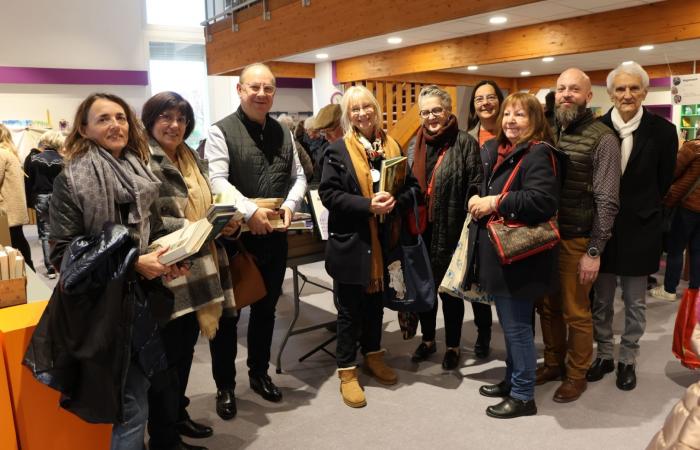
<point>360,317</point>
<point>452,311</point>
<point>18,241</point>
<point>270,252</point>
<point>166,397</point>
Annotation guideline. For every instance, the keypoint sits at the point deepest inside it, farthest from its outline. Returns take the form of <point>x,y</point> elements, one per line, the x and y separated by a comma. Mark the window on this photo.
<point>181,68</point>
<point>187,13</point>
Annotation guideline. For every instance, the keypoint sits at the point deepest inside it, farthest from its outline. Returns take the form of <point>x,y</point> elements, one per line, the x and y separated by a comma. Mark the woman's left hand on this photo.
<point>482,206</point>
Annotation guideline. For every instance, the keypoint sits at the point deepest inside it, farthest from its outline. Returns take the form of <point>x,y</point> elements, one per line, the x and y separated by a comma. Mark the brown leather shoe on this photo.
<point>570,390</point>
<point>547,373</point>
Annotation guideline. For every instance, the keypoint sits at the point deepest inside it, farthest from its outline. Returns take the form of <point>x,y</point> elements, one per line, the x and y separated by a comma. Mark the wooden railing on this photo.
<point>399,103</point>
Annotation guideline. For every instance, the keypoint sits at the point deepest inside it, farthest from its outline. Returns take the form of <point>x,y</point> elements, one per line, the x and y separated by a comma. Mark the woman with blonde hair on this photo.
<point>533,197</point>
<point>12,198</point>
<point>350,190</point>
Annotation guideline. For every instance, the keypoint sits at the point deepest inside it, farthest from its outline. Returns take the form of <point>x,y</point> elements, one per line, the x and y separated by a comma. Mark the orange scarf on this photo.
<point>358,156</point>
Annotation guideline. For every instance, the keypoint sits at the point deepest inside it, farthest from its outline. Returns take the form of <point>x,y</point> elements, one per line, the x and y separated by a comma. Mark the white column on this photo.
<point>223,98</point>
<point>323,87</point>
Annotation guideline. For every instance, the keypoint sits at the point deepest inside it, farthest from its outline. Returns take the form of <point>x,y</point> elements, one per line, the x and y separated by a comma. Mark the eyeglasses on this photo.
<point>355,110</point>
<point>106,121</point>
<point>489,98</point>
<point>437,112</point>
<point>329,130</point>
<point>268,89</point>
<point>168,119</point>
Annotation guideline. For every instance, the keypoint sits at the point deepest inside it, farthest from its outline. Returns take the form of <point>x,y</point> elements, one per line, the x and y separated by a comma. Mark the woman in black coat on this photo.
<point>349,190</point>
<point>532,198</point>
<point>447,165</point>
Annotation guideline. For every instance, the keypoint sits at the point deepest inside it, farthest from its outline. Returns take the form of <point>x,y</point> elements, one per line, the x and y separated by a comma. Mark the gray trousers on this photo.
<point>634,296</point>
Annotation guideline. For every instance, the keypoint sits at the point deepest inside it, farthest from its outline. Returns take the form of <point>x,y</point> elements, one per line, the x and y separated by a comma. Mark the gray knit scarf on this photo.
<point>101,183</point>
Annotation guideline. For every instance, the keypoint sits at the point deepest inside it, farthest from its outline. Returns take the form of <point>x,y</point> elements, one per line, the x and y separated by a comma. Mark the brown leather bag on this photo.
<point>248,283</point>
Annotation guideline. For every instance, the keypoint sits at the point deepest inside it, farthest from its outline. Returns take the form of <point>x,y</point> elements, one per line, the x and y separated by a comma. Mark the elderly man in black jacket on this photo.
<point>648,156</point>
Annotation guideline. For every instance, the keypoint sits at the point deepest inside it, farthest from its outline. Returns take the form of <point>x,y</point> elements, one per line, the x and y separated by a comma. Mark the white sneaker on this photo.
<point>661,293</point>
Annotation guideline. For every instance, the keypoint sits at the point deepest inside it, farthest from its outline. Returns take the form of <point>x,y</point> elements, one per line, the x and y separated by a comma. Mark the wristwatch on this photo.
<point>593,252</point>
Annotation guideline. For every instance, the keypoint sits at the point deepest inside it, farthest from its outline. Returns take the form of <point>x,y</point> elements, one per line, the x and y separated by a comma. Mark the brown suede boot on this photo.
<point>374,362</point>
<point>350,388</point>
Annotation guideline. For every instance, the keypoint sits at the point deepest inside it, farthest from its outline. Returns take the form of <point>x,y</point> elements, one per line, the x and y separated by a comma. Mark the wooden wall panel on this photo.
<point>283,69</point>
<point>295,29</point>
<point>655,23</point>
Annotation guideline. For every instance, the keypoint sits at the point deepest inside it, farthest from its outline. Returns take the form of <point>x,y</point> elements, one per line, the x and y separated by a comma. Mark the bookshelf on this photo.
<point>690,121</point>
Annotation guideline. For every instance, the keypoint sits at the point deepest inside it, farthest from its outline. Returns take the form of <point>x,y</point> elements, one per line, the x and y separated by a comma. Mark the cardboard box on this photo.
<point>13,292</point>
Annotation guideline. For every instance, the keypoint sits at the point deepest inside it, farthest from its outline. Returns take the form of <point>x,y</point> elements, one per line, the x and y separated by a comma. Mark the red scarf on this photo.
<point>443,138</point>
<point>503,152</point>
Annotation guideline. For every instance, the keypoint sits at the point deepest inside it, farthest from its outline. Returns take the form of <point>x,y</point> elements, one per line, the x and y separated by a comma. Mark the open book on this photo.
<point>392,176</point>
<point>189,239</point>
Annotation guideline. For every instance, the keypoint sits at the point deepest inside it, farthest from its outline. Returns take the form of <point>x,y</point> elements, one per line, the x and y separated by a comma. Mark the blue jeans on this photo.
<point>685,231</point>
<point>129,435</point>
<point>515,316</point>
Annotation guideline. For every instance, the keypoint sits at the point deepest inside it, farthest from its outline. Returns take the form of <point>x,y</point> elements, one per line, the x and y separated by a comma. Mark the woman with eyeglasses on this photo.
<point>350,190</point>
<point>447,164</point>
<point>184,197</point>
<point>484,107</point>
<point>106,179</point>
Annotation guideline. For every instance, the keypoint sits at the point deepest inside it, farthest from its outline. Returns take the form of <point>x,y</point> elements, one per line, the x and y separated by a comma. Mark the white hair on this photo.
<point>286,120</point>
<point>633,69</point>
<point>309,123</point>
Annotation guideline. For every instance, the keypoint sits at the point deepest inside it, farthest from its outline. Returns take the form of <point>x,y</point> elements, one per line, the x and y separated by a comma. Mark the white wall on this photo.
<point>73,34</point>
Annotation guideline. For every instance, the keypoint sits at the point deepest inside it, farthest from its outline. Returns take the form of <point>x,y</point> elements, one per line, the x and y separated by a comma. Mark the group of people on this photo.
<point>603,179</point>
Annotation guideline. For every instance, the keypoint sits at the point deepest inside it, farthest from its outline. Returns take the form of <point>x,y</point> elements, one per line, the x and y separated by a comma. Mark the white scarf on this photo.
<point>625,130</point>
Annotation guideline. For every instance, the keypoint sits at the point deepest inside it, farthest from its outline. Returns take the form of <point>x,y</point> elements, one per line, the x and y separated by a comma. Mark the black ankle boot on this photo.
<point>482,345</point>
<point>501,389</point>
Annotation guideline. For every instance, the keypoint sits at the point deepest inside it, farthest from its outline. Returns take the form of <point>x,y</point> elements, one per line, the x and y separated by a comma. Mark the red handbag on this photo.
<point>514,240</point>
<point>686,322</point>
<point>422,220</point>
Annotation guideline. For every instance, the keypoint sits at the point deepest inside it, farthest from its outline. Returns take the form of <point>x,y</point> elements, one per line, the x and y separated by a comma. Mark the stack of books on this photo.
<point>11,264</point>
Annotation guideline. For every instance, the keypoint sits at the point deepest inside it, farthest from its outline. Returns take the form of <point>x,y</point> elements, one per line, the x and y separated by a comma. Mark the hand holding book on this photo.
<point>382,203</point>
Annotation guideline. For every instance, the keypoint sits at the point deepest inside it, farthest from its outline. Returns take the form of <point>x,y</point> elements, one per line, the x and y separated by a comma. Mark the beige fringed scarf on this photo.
<point>199,199</point>
<point>358,156</point>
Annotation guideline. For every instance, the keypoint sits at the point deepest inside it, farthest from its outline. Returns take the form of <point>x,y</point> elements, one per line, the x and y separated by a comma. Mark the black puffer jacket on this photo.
<point>458,177</point>
<point>95,324</point>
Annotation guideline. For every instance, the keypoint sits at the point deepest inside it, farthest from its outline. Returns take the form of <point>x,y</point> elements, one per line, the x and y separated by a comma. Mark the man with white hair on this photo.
<point>648,156</point>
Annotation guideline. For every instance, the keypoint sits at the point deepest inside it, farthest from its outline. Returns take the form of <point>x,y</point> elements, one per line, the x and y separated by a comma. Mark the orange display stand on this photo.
<point>39,422</point>
<point>8,434</point>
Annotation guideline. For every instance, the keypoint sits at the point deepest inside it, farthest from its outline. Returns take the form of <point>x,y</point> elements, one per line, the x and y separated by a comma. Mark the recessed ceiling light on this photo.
<point>498,20</point>
<point>394,40</point>
<point>646,48</point>
<point>472,68</point>
<point>321,55</point>
<point>525,73</point>
<point>547,59</point>
<point>627,63</point>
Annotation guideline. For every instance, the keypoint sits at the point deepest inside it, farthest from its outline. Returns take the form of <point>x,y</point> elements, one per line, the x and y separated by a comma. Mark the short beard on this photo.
<point>566,116</point>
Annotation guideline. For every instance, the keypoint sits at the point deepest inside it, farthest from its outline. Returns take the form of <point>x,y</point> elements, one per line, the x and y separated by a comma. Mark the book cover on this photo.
<point>393,174</point>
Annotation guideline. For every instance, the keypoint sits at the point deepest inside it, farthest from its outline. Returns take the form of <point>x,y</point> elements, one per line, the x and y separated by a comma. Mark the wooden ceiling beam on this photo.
<point>447,79</point>
<point>599,77</point>
<point>294,29</point>
<point>282,69</point>
<point>655,23</point>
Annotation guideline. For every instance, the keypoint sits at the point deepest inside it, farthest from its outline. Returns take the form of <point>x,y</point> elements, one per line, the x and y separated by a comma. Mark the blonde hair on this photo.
<point>52,139</point>
<point>538,129</point>
<point>353,96</point>
<point>6,141</point>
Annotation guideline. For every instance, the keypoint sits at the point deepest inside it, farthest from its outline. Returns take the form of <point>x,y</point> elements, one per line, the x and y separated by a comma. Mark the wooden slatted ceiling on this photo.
<point>655,23</point>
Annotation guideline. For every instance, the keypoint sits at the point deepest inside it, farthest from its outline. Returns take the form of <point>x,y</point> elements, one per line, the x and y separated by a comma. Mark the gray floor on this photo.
<point>429,407</point>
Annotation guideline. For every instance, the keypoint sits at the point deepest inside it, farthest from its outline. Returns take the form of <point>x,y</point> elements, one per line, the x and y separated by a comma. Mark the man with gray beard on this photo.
<point>587,209</point>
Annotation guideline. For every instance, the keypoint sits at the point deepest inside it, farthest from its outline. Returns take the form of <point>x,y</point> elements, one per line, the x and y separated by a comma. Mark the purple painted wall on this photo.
<point>43,75</point>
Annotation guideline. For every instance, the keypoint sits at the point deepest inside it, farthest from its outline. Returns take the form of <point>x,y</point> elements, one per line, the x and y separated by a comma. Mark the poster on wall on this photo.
<point>685,89</point>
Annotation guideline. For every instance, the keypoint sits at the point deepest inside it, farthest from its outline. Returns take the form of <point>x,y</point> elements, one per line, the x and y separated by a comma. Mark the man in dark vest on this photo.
<point>587,209</point>
<point>649,145</point>
<point>252,156</point>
